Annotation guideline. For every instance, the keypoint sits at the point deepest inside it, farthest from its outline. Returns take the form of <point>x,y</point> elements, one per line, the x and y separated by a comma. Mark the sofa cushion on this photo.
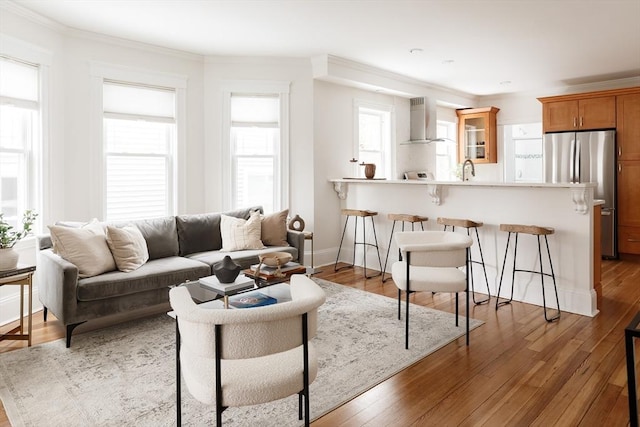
<point>85,247</point>
<point>201,232</point>
<point>274,229</point>
<point>128,247</point>
<point>240,234</point>
<point>155,274</point>
<point>161,236</point>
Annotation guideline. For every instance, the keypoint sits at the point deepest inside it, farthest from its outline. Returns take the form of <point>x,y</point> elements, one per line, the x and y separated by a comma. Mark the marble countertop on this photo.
<point>464,183</point>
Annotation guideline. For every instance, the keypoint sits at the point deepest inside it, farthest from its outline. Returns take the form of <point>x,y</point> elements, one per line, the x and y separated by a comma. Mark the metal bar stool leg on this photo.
<point>553,277</point>
<point>375,237</point>
<point>340,247</point>
<point>484,269</point>
<point>388,250</point>
<point>504,262</point>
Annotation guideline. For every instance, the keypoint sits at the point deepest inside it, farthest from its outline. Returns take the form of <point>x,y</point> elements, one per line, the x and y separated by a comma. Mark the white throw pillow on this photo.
<point>128,247</point>
<point>84,247</point>
<point>239,234</point>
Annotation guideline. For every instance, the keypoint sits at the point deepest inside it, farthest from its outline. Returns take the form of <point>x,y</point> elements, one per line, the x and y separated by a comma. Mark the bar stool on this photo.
<point>469,224</point>
<point>411,219</point>
<point>535,231</point>
<point>358,213</point>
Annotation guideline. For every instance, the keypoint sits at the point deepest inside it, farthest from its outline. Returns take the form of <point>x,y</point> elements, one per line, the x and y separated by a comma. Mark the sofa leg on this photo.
<point>45,310</point>
<point>70,329</point>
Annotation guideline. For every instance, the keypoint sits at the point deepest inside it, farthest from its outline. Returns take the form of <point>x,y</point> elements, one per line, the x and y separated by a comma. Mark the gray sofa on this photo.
<point>181,248</point>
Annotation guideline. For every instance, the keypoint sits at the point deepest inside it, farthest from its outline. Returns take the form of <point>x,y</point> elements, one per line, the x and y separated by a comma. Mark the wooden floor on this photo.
<point>518,371</point>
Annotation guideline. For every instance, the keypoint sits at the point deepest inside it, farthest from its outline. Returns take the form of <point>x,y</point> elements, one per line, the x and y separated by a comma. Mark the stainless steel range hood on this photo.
<point>422,122</point>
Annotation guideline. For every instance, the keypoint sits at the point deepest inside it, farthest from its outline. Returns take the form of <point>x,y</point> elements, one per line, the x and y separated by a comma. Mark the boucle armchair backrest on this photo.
<point>252,332</point>
<point>434,248</point>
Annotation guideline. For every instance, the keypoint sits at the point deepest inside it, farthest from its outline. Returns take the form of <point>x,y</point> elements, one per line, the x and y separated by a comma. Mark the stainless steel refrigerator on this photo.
<point>587,157</point>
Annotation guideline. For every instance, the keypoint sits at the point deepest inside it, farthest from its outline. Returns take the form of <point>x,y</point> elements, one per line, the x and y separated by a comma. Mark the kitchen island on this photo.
<point>568,208</point>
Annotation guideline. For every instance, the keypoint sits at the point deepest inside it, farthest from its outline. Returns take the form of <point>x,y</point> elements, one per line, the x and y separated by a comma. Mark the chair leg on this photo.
<point>384,270</point>
<point>375,237</point>
<point>399,304</point>
<point>467,297</point>
<point>486,280</point>
<point>504,262</point>
<point>178,388</point>
<point>45,310</point>
<point>340,247</point>
<point>544,303</point>
<point>406,327</point>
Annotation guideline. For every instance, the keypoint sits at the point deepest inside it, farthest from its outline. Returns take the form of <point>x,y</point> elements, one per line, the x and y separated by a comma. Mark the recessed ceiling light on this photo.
<point>505,82</point>
<point>448,61</point>
<point>416,50</point>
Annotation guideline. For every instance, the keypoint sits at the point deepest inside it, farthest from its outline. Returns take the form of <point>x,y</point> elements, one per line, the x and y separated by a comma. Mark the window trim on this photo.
<point>99,72</point>
<point>256,87</point>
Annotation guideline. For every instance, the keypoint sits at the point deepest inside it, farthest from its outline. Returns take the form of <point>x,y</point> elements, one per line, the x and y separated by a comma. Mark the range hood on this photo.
<point>422,122</point>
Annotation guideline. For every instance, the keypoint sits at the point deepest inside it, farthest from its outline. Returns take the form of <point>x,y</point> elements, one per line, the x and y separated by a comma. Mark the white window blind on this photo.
<point>255,151</point>
<point>19,130</point>
<point>139,139</point>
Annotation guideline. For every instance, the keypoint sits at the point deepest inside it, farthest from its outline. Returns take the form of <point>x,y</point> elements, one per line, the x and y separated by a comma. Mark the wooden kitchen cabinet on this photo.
<point>628,207</point>
<point>579,114</point>
<point>628,126</point>
<point>477,129</point>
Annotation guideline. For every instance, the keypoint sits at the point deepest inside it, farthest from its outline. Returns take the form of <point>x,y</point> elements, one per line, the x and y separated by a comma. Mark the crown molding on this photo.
<point>32,16</point>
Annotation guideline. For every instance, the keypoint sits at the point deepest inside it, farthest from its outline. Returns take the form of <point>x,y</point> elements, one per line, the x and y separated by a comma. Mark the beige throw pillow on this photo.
<point>128,247</point>
<point>84,247</point>
<point>239,234</point>
<point>274,229</point>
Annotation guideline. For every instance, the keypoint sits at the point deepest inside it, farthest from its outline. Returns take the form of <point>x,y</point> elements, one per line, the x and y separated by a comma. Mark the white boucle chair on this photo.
<point>430,261</point>
<point>240,357</point>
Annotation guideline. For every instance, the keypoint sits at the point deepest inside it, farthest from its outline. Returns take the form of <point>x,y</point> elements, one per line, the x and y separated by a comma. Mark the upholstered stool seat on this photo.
<point>469,224</point>
<point>534,230</point>
<point>405,218</point>
<point>364,214</point>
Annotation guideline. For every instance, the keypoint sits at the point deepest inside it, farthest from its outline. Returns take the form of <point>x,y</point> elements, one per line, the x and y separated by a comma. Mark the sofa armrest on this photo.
<point>296,239</point>
<point>57,285</point>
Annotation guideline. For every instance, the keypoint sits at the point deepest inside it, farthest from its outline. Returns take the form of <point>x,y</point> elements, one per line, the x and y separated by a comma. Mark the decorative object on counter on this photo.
<point>369,169</point>
<point>537,231</point>
<point>296,223</point>
<point>226,270</point>
<point>9,237</point>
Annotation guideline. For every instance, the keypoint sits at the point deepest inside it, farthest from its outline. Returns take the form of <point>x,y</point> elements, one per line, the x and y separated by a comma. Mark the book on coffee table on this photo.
<point>241,282</point>
<point>269,273</point>
<point>251,299</point>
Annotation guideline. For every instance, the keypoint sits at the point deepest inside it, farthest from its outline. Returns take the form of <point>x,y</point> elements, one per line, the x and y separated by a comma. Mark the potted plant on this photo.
<point>9,237</point>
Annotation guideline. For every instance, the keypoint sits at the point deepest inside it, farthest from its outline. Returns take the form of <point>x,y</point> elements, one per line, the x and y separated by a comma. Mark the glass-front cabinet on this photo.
<point>477,135</point>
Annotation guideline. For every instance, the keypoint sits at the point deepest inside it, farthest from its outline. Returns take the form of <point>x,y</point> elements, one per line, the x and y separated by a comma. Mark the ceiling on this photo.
<point>480,47</point>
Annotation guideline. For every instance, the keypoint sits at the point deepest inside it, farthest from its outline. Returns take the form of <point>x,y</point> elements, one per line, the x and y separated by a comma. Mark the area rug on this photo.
<point>125,374</point>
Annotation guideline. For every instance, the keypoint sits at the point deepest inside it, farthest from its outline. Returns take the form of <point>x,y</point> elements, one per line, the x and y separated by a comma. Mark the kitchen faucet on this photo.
<point>464,167</point>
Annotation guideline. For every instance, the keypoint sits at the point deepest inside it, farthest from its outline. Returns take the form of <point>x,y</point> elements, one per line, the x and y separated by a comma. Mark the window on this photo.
<point>523,153</point>
<point>20,130</point>
<point>139,127</point>
<point>446,151</point>
<point>374,127</point>
<point>257,140</point>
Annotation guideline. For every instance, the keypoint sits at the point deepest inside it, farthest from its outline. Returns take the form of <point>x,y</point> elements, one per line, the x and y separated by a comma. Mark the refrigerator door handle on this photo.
<point>572,160</point>
<point>605,213</point>
<point>578,170</point>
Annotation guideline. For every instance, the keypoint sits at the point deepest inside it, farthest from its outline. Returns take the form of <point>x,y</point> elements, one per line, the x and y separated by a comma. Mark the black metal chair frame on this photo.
<point>409,291</point>
<point>303,395</point>
<point>471,262</point>
<point>384,270</point>
<point>364,243</point>
<point>541,273</point>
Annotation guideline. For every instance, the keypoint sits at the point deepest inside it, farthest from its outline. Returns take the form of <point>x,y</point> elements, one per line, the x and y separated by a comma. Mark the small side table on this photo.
<point>22,276</point>
<point>308,235</point>
<point>630,332</point>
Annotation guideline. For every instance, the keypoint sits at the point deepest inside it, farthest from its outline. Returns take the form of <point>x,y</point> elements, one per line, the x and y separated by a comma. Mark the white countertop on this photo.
<point>464,183</point>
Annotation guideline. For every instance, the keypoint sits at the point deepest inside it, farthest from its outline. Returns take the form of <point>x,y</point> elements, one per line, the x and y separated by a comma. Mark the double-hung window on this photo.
<point>374,129</point>
<point>20,127</point>
<point>446,151</point>
<point>139,126</point>
<point>256,151</point>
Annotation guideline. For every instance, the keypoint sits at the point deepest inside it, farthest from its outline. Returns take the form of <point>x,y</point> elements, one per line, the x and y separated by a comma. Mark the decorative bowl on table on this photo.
<point>275,259</point>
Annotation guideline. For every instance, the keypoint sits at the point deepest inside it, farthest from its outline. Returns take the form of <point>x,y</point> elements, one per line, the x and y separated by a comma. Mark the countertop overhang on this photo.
<point>580,193</point>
